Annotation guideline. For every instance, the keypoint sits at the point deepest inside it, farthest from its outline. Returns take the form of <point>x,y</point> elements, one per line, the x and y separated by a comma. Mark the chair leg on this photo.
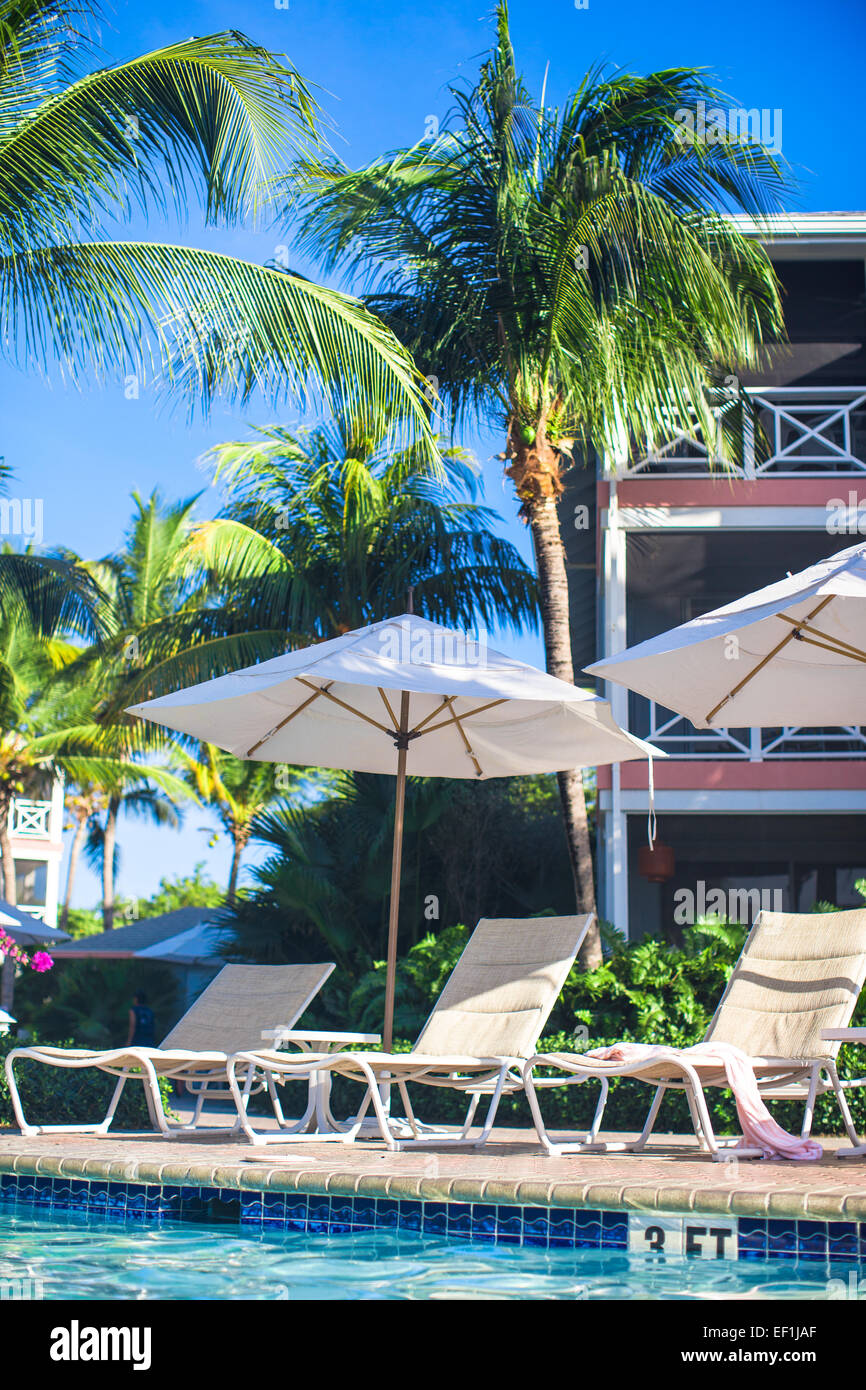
<point>649,1122</point>
<point>830,1068</point>
<point>535,1110</point>
<point>407,1106</point>
<point>809,1110</point>
<point>18,1109</point>
<point>491,1110</point>
<point>112,1107</point>
<point>599,1110</point>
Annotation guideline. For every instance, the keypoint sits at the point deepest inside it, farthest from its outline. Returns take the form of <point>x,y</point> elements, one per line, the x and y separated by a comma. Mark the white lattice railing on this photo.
<point>30,819</point>
<point>679,738</point>
<point>811,431</point>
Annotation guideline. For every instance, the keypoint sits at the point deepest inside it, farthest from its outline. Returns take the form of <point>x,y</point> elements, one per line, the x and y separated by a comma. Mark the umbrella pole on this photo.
<point>396,866</point>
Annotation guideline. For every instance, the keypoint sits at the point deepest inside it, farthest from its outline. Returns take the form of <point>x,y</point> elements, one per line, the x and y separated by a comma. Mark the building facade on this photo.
<point>36,837</point>
<point>772,816</point>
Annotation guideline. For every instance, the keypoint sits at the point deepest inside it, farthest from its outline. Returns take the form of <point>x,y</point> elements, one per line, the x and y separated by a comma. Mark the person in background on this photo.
<point>140,1023</point>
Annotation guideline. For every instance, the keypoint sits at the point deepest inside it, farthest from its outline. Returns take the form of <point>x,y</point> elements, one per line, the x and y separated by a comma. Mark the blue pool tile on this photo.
<point>587,1229</point>
<point>364,1217</point>
<point>342,1216</point>
<point>170,1202</point>
<point>812,1240</point>
<point>483,1221</point>
<point>614,1230</point>
<point>561,1226</point>
<point>318,1214</point>
<point>61,1193</point>
<point>79,1194</point>
<point>459,1219</point>
<point>8,1187</point>
<point>387,1213</point>
<point>509,1224</point>
<point>435,1219</point>
<point>842,1240</point>
<point>98,1195</point>
<point>536,1225</point>
<point>782,1239</point>
<point>296,1211</point>
<point>117,1196</point>
<point>274,1205</point>
<point>251,1207</point>
<point>411,1216</point>
<point>752,1238</point>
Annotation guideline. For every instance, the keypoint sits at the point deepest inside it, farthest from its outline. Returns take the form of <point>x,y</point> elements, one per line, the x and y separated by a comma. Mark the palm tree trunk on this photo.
<point>108,845</point>
<point>74,852</point>
<point>553,587</point>
<point>240,839</point>
<point>7,862</point>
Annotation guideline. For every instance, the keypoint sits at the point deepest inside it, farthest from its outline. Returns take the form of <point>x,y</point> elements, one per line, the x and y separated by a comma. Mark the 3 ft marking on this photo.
<point>702,1238</point>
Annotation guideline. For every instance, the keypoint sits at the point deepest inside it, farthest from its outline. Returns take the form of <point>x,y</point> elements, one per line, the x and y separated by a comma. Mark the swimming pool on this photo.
<point>72,1255</point>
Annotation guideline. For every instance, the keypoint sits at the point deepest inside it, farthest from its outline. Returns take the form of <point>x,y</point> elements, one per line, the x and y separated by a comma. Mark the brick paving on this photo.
<point>669,1176</point>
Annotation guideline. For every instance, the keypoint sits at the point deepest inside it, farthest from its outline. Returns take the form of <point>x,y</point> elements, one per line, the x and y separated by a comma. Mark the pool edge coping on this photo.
<point>676,1200</point>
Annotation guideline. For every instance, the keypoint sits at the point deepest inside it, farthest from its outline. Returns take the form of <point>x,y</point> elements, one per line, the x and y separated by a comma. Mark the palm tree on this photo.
<point>135,797</point>
<point>84,803</point>
<point>238,792</point>
<point>80,149</point>
<point>568,274</point>
<point>324,531</point>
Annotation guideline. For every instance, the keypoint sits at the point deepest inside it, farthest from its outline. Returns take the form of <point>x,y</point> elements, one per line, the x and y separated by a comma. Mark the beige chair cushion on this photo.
<point>798,973</point>
<point>230,1015</point>
<point>502,989</point>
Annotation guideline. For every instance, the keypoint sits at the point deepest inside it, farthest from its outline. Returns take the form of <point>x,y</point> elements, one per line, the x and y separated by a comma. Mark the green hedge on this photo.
<point>62,1096</point>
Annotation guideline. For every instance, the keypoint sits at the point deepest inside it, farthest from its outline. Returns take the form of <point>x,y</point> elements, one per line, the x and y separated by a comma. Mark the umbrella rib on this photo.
<point>446,700</point>
<point>449,700</point>
<point>789,637</point>
<point>391,715</point>
<point>830,646</point>
<point>342,703</point>
<point>319,690</point>
<point>467,714</point>
<point>837,645</point>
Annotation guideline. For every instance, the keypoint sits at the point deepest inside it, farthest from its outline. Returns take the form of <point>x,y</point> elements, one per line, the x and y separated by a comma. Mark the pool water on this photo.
<point>76,1256</point>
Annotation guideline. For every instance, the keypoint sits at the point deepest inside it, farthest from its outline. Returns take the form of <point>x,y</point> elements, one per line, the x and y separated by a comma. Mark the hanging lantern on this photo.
<point>656,863</point>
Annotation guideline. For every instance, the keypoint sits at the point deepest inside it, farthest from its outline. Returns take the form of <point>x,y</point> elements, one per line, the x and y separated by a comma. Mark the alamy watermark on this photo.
<point>846,517</point>
<point>735,126</point>
<point>22,516</point>
<point>733,904</point>
<point>417,647</point>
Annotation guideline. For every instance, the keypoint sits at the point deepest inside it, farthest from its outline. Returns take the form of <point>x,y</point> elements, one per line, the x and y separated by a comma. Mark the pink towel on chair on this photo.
<point>760,1130</point>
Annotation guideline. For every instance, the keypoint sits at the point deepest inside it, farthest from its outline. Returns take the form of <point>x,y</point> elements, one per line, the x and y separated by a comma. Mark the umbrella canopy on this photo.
<point>337,705</point>
<point>27,930</point>
<point>793,653</point>
<point>403,696</point>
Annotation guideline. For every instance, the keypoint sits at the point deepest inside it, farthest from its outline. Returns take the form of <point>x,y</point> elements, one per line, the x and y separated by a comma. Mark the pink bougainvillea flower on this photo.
<point>41,961</point>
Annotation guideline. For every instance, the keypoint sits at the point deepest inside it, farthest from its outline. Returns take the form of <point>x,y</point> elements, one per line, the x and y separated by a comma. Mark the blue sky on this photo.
<point>382,68</point>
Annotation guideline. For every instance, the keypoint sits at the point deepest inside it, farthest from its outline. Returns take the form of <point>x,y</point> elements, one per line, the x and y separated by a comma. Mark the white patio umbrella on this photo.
<point>792,654</point>
<point>403,696</point>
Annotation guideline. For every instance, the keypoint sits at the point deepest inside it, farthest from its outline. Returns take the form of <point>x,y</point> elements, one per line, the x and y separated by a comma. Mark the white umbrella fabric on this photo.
<point>403,696</point>
<point>791,654</point>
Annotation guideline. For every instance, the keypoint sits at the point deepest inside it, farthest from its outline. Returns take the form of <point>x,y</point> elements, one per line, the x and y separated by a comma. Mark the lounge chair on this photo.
<point>797,974</point>
<point>486,1023</point>
<point>231,1013</point>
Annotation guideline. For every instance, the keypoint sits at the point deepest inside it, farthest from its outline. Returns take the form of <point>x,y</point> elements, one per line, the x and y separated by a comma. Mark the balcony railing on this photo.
<point>679,738</point>
<point>30,819</point>
<point>811,431</point>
